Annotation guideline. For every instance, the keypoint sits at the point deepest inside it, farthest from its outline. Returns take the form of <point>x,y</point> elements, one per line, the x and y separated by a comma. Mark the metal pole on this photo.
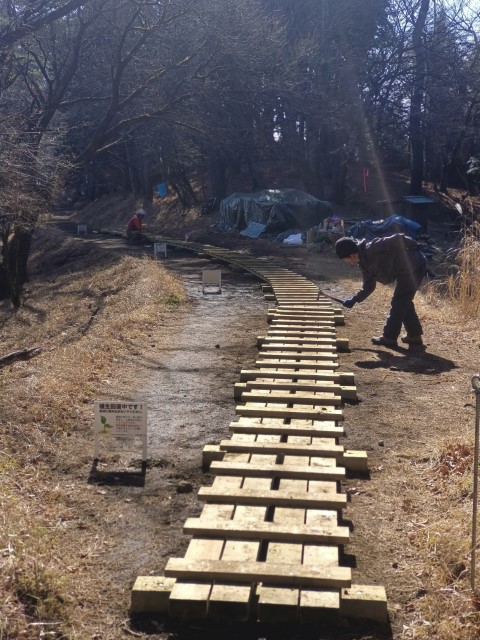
<point>476,389</point>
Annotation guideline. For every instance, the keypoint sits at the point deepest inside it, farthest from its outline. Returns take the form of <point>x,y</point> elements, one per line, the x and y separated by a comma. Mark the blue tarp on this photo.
<point>370,229</point>
<point>254,230</point>
<point>162,189</point>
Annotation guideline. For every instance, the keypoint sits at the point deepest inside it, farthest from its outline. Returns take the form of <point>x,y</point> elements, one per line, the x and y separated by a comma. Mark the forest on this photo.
<point>114,96</point>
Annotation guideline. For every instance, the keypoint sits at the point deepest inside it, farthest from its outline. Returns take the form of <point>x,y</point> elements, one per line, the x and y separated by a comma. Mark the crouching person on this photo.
<point>134,228</point>
<point>398,259</point>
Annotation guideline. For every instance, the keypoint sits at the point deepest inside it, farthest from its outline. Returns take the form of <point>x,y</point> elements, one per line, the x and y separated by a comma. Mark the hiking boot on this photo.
<point>415,340</point>
<point>384,341</point>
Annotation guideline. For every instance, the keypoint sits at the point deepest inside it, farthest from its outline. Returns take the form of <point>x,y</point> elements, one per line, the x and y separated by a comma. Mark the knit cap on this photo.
<point>345,247</point>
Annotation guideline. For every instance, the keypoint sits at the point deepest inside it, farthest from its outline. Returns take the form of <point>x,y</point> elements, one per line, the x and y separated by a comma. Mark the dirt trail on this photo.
<point>199,368</point>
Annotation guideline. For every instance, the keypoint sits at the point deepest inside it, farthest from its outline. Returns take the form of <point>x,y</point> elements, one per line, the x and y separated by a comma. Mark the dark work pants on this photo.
<point>402,309</point>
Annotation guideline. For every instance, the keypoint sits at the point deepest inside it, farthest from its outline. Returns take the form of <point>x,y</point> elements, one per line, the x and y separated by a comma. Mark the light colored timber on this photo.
<point>298,354</point>
<point>289,289</point>
<point>330,499</point>
<point>219,600</point>
<point>299,284</point>
<point>285,287</point>
<point>308,450</point>
<point>272,426</point>
<point>339,344</point>
<point>277,603</point>
<point>311,294</point>
<point>303,319</point>
<point>337,391</point>
<point>306,472</point>
<point>190,599</point>
<point>211,453</point>
<point>301,296</point>
<point>321,324</point>
<point>325,326</point>
<point>300,317</point>
<point>364,601</point>
<point>231,601</point>
<point>298,341</point>
<point>265,530</point>
<point>291,295</point>
<point>274,439</point>
<point>279,312</point>
<point>313,603</point>
<point>150,594</point>
<point>303,307</point>
<point>304,304</point>
<point>296,397</point>
<point>355,461</point>
<point>306,325</point>
<point>290,335</point>
<point>298,338</point>
<point>302,300</point>
<point>301,314</point>
<point>295,390</point>
<point>275,346</point>
<point>256,410</point>
<point>341,378</point>
<point>284,338</point>
<point>292,332</point>
<point>350,459</point>
<point>255,572</point>
<point>297,364</point>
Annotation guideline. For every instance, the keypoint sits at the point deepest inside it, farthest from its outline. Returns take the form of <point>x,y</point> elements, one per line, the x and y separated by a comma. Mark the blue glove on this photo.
<point>349,302</point>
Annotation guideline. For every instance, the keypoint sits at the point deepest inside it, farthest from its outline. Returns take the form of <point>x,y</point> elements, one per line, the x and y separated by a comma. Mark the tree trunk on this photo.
<point>13,269</point>
<point>416,115</point>
<point>147,184</point>
<point>216,172</point>
<point>340,182</point>
<point>253,175</point>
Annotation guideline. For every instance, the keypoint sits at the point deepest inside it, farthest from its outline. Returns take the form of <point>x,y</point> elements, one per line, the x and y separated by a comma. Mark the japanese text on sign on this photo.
<point>120,419</point>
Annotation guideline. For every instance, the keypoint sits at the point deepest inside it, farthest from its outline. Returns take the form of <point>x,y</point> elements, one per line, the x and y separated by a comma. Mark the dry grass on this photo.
<point>88,309</point>
<point>449,610</point>
<point>464,281</point>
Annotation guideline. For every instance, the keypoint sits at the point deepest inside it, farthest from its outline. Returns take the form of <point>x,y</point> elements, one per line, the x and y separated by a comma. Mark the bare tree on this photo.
<point>28,183</point>
<point>27,17</point>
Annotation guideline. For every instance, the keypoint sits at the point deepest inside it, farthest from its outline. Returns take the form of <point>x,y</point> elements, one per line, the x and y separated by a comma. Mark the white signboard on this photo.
<point>212,278</point>
<point>159,248</point>
<point>120,420</point>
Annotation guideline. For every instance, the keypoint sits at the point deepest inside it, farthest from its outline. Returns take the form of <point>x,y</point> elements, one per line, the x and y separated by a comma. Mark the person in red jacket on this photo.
<point>134,227</point>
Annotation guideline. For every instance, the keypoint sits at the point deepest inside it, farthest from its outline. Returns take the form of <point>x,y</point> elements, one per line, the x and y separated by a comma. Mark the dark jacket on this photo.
<point>386,260</point>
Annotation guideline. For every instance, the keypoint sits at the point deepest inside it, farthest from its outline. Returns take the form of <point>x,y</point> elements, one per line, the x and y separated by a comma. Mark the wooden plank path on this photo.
<point>268,543</point>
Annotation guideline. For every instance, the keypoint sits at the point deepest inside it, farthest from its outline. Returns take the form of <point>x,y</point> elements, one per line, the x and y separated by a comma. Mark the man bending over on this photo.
<point>398,259</point>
